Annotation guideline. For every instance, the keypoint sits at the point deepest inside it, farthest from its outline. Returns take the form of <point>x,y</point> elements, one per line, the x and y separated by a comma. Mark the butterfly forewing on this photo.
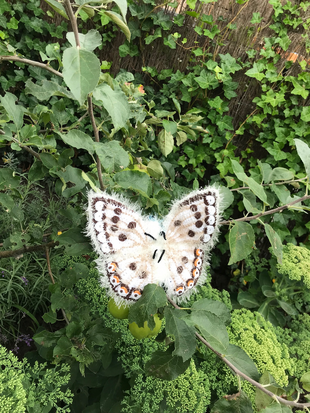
<point>194,219</point>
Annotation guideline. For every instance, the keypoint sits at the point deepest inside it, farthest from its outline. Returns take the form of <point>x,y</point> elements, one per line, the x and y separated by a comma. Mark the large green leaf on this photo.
<point>15,112</point>
<point>6,201</point>
<point>115,103</point>
<point>165,142</point>
<point>89,41</point>
<point>153,297</point>
<point>242,361</point>
<point>79,140</point>
<point>276,408</point>
<point>46,89</point>
<point>275,242</point>
<point>81,71</point>
<point>247,300</point>
<point>59,8</point>
<point>241,241</point>
<point>8,179</point>
<point>280,174</point>
<point>135,180</point>
<point>303,151</point>
<point>121,23</point>
<point>73,176</point>
<point>112,156</point>
<point>165,366</point>
<point>211,328</point>
<point>184,334</point>
<point>212,306</point>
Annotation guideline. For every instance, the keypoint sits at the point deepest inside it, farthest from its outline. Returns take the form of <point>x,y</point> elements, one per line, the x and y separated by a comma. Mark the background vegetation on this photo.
<point>154,100</point>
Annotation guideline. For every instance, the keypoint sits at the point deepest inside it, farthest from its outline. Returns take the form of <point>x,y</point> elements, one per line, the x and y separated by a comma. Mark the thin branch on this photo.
<point>32,63</point>
<point>269,212</point>
<point>73,21</point>
<point>27,148</point>
<point>96,133</point>
<point>273,183</point>
<point>20,251</point>
<point>52,278</point>
<point>244,376</point>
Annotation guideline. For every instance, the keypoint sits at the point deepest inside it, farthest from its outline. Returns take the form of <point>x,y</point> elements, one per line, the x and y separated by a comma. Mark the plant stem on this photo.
<point>27,148</point>
<point>244,376</point>
<point>96,133</point>
<point>20,251</point>
<point>32,63</point>
<point>269,212</point>
<point>73,22</point>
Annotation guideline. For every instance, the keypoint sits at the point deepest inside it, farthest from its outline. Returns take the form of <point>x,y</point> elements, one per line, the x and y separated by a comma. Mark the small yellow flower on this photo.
<point>244,282</point>
<point>273,280</point>
<point>59,232</point>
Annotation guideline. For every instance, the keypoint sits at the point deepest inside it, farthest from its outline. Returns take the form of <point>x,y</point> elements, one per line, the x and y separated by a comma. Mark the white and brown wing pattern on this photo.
<point>118,233</point>
<point>192,228</point>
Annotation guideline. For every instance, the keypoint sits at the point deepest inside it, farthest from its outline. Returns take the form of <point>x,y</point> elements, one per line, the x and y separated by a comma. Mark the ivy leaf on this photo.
<point>256,18</point>
<point>116,104</point>
<point>211,328</point>
<point>165,142</point>
<point>184,334</point>
<point>235,403</point>
<point>303,151</point>
<point>275,242</point>
<point>242,361</point>
<point>299,89</point>
<point>81,71</point>
<point>15,112</point>
<point>135,180</point>
<point>241,241</point>
<point>112,156</point>
<point>165,366</point>
<point>146,307</point>
<point>154,36</point>
<point>305,114</point>
<point>255,72</point>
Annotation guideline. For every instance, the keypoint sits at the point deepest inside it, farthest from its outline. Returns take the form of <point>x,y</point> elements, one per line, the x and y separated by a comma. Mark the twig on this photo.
<point>269,212</point>
<point>273,183</point>
<point>32,63</point>
<point>14,253</point>
<point>73,21</point>
<point>27,148</point>
<point>244,376</point>
<point>52,278</point>
<point>96,133</point>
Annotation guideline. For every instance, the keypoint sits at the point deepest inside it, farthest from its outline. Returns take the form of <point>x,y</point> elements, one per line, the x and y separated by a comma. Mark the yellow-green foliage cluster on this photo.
<point>297,339</point>
<point>38,388</point>
<point>258,339</point>
<point>188,393</point>
<point>12,393</point>
<point>296,263</point>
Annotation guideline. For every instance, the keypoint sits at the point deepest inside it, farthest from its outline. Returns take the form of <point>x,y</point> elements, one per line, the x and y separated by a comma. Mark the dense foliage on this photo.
<point>68,125</point>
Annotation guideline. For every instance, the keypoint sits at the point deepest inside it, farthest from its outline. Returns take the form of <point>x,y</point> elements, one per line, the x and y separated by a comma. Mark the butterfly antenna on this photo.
<point>154,255</point>
<point>162,254</point>
<point>163,234</point>
<point>149,235</point>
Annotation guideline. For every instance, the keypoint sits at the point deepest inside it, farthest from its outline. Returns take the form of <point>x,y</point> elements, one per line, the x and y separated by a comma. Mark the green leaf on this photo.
<point>165,142</point>
<point>152,299</point>
<point>237,403</point>
<point>241,241</point>
<point>50,317</point>
<point>111,392</point>
<point>8,179</point>
<point>155,169</point>
<point>63,347</point>
<point>227,197</point>
<point>288,308</point>
<point>154,36</point>
<point>212,306</point>
<point>165,366</point>
<point>276,408</point>
<point>184,335</point>
<point>89,41</point>
<point>275,242</point>
<point>73,176</point>
<point>46,338</point>
<point>57,7</point>
<point>6,201</point>
<point>255,72</point>
<point>303,151</point>
<point>135,180</point>
<point>46,89</point>
<point>305,114</point>
<point>170,126</point>
<point>81,71</point>
<point>181,137</point>
<point>112,156</point>
<point>211,328</point>
<point>242,361</point>
<point>117,19</point>
<point>305,380</point>
<point>115,103</point>
<point>247,300</point>
<point>15,112</point>
<point>79,140</point>
<point>280,174</point>
<point>254,186</point>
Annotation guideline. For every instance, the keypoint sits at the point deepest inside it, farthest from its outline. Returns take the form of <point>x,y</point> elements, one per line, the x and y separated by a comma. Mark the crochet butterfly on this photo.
<point>135,251</point>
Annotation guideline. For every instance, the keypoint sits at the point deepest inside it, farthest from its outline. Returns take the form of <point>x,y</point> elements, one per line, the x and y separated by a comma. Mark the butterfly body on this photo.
<point>135,251</point>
